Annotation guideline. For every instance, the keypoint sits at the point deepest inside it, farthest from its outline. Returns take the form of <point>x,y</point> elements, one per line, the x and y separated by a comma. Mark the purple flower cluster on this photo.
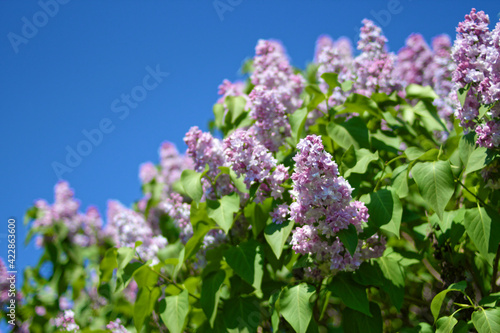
<point>272,69</point>
<point>322,207</point>
<point>476,53</point>
<point>116,327</point>
<point>413,62</point>
<point>66,322</point>
<point>374,67</point>
<point>333,57</point>
<point>227,88</point>
<point>84,229</point>
<point>250,158</point>
<point>442,68</point>
<point>271,124</point>
<point>130,227</point>
<point>204,149</point>
<point>179,212</point>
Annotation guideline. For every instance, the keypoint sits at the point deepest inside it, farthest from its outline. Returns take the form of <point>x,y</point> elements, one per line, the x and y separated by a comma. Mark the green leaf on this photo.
<point>247,261</point>
<point>210,294</point>
<point>235,106</point>
<point>297,122</point>
<point>414,153</point>
<point>316,95</point>
<point>490,300</point>
<point>107,266</point>
<point>144,305</point>
<point>352,294</point>
<point>483,227</point>
<point>420,92</point>
<point>277,234</point>
<point>332,80</point>
<point>400,180</point>
<point>437,301</point>
<point>352,132</point>
<point>346,85</point>
<point>487,321</point>
<point>359,104</point>
<point>295,306</point>
<point>357,160</point>
<point>258,215</point>
<point>242,314</point>
<point>446,324</point>
<point>357,322</point>
<point>472,158</point>
<point>219,115</point>
<point>176,310</point>
<point>385,210</point>
<point>462,93</point>
<point>201,225</point>
<point>191,182</point>
<point>222,211</point>
<point>429,117</point>
<point>349,237</point>
<point>436,184</point>
<point>394,283</point>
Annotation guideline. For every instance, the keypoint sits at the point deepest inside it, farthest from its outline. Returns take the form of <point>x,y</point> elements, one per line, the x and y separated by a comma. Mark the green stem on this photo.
<point>383,170</point>
<point>474,195</point>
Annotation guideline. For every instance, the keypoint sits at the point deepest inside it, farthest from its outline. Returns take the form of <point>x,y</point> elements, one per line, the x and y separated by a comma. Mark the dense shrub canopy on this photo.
<point>358,195</point>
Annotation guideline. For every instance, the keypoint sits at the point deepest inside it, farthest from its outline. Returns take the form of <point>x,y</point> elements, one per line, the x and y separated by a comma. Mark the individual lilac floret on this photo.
<point>273,70</point>
<point>271,124</point>
<point>66,322</point>
<point>413,62</point>
<point>374,66</point>
<point>322,207</point>
<point>116,327</point>
<point>204,149</point>
<point>249,158</point>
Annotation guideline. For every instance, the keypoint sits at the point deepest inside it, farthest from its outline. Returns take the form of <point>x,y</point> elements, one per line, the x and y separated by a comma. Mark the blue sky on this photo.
<point>69,73</point>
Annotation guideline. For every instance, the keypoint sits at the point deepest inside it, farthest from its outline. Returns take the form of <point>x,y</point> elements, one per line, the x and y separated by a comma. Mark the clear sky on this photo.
<point>68,68</point>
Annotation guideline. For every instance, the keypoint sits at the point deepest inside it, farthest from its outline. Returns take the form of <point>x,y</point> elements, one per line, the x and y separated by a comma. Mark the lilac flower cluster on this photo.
<point>131,227</point>
<point>250,158</point>
<point>333,57</point>
<point>476,53</point>
<point>322,207</point>
<point>204,149</point>
<point>272,69</point>
<point>116,327</point>
<point>271,124</point>
<point>179,211</point>
<point>4,284</point>
<point>442,68</point>
<point>374,67</point>
<point>84,229</point>
<point>227,88</point>
<point>66,322</point>
<point>413,62</point>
